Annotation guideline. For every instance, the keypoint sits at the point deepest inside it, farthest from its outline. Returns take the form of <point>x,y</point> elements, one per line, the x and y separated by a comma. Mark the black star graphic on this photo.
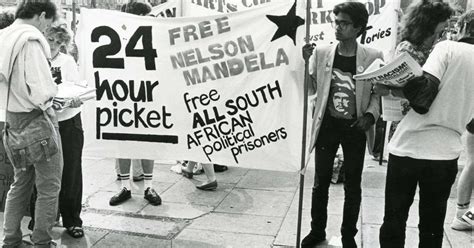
<point>287,24</point>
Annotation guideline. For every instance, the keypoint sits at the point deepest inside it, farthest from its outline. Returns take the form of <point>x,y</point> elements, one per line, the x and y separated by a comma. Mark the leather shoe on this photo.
<point>120,197</point>
<point>311,240</point>
<point>208,186</point>
<point>152,197</point>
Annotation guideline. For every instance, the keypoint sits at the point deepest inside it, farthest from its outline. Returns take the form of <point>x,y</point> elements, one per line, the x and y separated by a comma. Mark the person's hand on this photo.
<point>381,90</point>
<point>308,50</point>
<point>364,122</point>
<point>76,103</point>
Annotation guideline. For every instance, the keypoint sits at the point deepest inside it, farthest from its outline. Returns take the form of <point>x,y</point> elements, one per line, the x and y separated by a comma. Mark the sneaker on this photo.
<point>460,224</point>
<point>120,197</point>
<point>152,197</point>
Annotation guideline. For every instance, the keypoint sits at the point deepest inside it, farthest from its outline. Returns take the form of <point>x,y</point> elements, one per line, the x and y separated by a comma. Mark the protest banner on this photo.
<point>168,9</point>
<point>221,89</point>
<point>203,7</point>
<point>383,18</point>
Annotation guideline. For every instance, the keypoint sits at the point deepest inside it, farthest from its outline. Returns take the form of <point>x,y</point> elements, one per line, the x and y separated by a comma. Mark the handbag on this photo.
<point>33,141</point>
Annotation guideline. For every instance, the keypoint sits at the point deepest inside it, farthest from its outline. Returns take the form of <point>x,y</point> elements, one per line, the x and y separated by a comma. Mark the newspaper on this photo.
<point>67,91</point>
<point>394,108</point>
<point>394,74</point>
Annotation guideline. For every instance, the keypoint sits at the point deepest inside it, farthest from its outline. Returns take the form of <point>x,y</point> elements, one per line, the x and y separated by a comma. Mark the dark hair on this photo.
<point>421,19</point>
<point>467,18</point>
<point>6,19</point>
<point>356,11</point>
<point>29,8</point>
<point>136,8</point>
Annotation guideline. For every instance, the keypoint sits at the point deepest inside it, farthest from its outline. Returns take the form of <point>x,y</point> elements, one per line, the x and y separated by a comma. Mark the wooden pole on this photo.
<point>305,116</point>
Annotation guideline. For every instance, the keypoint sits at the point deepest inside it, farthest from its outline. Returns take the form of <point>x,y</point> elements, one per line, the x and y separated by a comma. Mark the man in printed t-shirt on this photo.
<point>345,113</point>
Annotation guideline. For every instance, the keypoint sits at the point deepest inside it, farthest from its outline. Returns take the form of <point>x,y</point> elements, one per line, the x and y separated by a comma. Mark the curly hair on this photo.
<point>60,32</point>
<point>136,8</point>
<point>6,19</point>
<point>467,19</point>
<point>421,19</point>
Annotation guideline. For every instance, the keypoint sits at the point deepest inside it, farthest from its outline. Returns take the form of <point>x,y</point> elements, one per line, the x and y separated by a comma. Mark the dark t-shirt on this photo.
<point>342,99</point>
<point>470,126</point>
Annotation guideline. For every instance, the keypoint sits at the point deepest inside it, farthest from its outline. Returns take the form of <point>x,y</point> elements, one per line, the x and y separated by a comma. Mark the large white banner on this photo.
<point>222,89</point>
<point>383,18</point>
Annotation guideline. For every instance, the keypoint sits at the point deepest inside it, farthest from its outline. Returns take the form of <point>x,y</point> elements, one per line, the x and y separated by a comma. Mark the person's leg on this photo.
<point>16,205</point>
<point>327,144</point>
<point>465,185</point>
<point>70,196</point>
<point>435,186</point>
<point>210,173</point>
<point>353,147</point>
<point>211,182</point>
<point>125,193</point>
<point>150,194</point>
<point>124,165</point>
<point>147,166</point>
<point>33,197</point>
<point>137,170</point>
<point>188,171</point>
<point>48,185</point>
<point>400,188</point>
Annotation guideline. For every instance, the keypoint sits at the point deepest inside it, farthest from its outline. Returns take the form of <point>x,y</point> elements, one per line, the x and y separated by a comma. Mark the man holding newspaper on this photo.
<point>426,146</point>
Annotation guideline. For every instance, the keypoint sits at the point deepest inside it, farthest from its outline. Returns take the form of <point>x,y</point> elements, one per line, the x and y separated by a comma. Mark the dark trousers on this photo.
<point>70,196</point>
<point>334,132</point>
<point>434,178</point>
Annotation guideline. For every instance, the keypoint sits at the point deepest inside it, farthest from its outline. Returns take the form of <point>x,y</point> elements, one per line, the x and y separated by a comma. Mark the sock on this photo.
<point>148,183</point>
<point>461,209</point>
<point>125,181</point>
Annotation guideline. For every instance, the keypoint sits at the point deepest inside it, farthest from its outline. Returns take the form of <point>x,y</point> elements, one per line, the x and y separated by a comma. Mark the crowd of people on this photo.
<point>426,145</point>
<point>424,149</point>
<point>35,50</point>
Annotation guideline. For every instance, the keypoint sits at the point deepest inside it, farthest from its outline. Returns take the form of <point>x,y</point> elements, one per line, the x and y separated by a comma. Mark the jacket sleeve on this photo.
<point>39,83</point>
<point>421,92</point>
<point>374,103</point>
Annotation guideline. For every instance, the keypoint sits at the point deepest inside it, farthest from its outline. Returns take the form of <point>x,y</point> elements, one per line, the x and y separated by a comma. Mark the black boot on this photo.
<point>311,240</point>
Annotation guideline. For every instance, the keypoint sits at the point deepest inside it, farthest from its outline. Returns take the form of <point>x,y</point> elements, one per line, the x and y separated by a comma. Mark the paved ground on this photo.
<point>250,208</point>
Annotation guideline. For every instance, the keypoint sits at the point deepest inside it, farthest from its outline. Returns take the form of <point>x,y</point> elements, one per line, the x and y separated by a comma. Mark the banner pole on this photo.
<point>74,17</point>
<point>303,142</point>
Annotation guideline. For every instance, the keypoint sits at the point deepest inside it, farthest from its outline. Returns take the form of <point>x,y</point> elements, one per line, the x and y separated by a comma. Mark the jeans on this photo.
<point>47,178</point>
<point>335,132</point>
<point>434,178</point>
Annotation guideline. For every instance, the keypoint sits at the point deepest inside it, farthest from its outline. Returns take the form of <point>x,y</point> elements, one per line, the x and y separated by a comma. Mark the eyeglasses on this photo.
<point>342,24</point>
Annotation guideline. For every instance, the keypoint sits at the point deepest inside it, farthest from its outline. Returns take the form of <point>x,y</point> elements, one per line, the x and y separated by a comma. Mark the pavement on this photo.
<point>250,208</point>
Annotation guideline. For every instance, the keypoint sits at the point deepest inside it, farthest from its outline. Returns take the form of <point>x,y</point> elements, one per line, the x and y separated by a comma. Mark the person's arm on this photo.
<point>374,103</point>
<point>309,55</point>
<point>39,82</point>
<point>421,91</point>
